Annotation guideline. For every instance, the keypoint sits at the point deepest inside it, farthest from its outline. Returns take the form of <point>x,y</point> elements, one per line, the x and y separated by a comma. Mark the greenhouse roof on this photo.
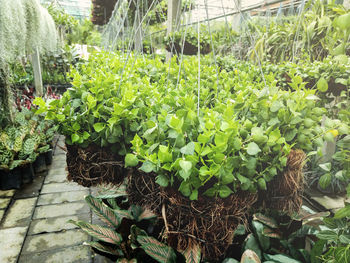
<point>78,8</point>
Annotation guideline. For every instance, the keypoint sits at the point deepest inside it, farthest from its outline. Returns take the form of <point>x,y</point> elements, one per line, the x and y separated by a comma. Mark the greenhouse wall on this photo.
<point>78,8</point>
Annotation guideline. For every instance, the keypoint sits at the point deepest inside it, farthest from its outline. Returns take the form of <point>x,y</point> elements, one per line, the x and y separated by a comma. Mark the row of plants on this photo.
<point>55,68</point>
<point>181,143</point>
<point>330,77</point>
<point>21,143</point>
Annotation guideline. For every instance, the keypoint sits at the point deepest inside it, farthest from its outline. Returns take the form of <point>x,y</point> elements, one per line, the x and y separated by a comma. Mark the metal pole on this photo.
<point>174,15</point>
<point>37,73</point>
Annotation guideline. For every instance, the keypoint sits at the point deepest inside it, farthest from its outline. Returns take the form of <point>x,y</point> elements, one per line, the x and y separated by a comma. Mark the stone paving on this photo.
<point>33,220</point>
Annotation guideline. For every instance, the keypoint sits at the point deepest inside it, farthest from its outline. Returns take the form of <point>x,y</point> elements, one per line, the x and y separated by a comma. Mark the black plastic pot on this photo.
<point>27,173</point>
<point>40,165</point>
<point>48,157</point>
<point>10,179</point>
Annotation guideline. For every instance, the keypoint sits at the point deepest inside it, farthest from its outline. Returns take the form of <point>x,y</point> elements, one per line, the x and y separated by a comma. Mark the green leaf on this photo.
<point>342,212</point>
<point>329,235</point>
<point>325,180</point>
<point>275,106</point>
<point>322,85</point>
<point>101,233</point>
<point>225,191</point>
<point>86,135</point>
<point>99,126</point>
<point>326,166</point>
<point>194,195</point>
<point>345,239</point>
<point>75,137</point>
<point>76,126</point>
<point>131,160</point>
<point>105,213</point>
<point>263,240</point>
<point>164,155</point>
<point>343,22</point>
<point>188,149</point>
<point>317,250</point>
<point>157,250</point>
<point>251,243</point>
<point>230,260</point>
<point>185,165</point>
<point>253,149</point>
<point>262,184</point>
<point>147,167</point>
<point>162,180</point>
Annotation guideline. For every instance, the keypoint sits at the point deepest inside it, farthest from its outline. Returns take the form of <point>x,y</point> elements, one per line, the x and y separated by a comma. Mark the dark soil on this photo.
<point>94,165</point>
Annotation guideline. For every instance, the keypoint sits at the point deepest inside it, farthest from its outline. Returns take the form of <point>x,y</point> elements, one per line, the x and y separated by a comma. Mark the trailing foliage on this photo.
<point>24,25</point>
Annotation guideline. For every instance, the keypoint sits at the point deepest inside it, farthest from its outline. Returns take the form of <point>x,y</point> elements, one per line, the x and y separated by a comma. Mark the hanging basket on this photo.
<point>188,49</point>
<point>211,222</point>
<point>94,165</point>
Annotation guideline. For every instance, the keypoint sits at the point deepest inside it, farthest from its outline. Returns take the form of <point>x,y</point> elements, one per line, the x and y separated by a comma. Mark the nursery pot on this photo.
<point>27,173</point>
<point>10,179</point>
<point>40,165</point>
<point>48,157</point>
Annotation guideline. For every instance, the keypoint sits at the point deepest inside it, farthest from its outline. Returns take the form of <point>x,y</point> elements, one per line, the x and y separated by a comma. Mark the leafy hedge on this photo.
<point>239,137</point>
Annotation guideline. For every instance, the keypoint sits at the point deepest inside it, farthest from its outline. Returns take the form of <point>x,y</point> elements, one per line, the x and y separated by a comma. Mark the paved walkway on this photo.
<point>33,220</point>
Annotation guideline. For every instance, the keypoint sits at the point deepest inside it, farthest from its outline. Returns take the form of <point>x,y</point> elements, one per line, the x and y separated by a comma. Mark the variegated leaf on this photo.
<point>105,213</point>
<point>122,213</point>
<point>192,253</point>
<point>146,214</point>
<point>157,250</point>
<point>268,221</point>
<point>101,233</point>
<point>105,249</point>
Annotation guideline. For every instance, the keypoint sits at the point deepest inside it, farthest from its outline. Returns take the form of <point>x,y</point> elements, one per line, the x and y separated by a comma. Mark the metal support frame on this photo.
<point>37,73</point>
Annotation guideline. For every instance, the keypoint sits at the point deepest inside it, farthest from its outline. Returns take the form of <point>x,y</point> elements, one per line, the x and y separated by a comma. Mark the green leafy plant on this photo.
<point>22,141</point>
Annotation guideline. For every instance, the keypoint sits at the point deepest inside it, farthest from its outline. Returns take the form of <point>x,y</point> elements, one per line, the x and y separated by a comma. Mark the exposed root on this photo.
<point>93,165</point>
<point>284,192</point>
<point>209,221</point>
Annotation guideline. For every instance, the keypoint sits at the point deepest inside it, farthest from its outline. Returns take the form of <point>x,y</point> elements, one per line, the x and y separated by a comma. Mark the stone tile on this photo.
<point>101,259</point>
<point>55,224</point>
<point>56,176</point>
<point>329,202</point>
<point>66,209</point>
<point>31,189</point>
<point>59,164</point>
<point>61,187</point>
<point>11,240</point>
<point>77,254</point>
<point>63,197</point>
<point>20,213</point>
<point>4,202</point>
<point>7,193</point>
<point>50,241</point>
